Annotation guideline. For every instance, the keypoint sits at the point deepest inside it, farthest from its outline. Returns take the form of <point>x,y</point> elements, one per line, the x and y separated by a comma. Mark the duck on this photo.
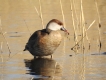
<point>44,42</point>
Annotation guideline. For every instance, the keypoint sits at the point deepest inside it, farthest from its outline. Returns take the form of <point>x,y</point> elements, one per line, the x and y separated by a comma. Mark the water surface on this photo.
<point>19,19</point>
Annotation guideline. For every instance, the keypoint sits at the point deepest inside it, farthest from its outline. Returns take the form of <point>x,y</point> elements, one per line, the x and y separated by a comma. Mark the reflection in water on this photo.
<point>43,68</point>
<point>104,53</point>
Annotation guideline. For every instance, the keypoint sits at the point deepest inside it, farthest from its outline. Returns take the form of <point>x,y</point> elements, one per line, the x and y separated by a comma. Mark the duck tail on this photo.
<point>26,48</point>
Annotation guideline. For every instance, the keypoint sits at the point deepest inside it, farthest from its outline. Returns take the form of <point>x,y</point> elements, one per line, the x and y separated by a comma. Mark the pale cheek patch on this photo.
<point>54,26</point>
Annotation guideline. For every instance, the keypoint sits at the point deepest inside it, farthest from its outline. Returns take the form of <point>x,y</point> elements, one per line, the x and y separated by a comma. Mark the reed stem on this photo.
<point>99,24</point>
<point>41,14</point>
<point>27,28</point>
<point>1,30</point>
<point>1,52</point>
<point>75,34</point>
<point>37,12</point>
<point>84,35</point>
<point>74,8</point>
<point>63,21</point>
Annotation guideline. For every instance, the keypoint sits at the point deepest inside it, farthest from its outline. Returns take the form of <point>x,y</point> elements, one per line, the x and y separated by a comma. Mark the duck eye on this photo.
<point>61,29</point>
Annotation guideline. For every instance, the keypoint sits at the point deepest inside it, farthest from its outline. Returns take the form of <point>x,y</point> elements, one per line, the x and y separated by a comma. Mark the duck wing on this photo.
<point>34,39</point>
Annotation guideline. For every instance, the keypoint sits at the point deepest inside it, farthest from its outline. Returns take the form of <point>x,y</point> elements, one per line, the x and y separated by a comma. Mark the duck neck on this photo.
<point>48,31</point>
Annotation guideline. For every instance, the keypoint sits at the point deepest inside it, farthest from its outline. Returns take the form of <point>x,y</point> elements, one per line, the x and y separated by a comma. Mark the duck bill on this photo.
<point>63,29</point>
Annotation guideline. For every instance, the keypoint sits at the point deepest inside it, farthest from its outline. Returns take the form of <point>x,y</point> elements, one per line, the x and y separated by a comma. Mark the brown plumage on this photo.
<point>44,42</point>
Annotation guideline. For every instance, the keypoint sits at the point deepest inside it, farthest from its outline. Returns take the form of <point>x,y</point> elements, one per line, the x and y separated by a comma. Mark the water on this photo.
<point>19,20</point>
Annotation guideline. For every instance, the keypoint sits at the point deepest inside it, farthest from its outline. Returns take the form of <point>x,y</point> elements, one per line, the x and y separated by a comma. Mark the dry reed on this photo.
<point>40,13</point>
<point>63,21</point>
<point>37,12</point>
<point>74,8</point>
<point>75,32</point>
<point>27,27</point>
<point>99,24</point>
<point>13,56</point>
<point>1,30</point>
<point>84,35</point>
<point>63,17</point>
<point>1,52</point>
<point>41,16</point>
<point>82,26</point>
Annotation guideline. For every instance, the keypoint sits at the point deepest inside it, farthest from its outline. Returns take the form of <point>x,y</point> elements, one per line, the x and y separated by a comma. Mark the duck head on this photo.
<point>55,25</point>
